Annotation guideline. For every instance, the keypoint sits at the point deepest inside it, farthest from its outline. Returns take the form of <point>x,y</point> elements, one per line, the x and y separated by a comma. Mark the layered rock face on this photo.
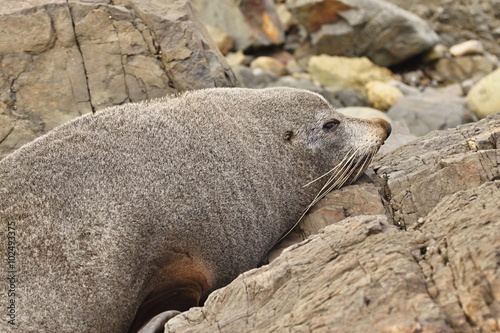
<point>61,59</point>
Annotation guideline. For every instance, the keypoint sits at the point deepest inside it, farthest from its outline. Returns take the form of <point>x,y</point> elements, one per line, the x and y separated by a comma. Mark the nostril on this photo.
<point>385,124</point>
<point>388,128</point>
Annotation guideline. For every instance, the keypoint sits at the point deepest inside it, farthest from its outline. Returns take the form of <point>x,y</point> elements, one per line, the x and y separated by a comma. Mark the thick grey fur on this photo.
<point>101,202</point>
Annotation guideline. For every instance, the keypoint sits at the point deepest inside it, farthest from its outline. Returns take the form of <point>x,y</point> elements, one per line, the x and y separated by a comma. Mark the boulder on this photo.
<point>484,97</point>
<point>285,16</point>
<point>430,111</point>
<point>270,65</point>
<point>346,73</point>
<point>456,70</point>
<point>350,97</point>
<point>459,21</point>
<point>252,24</point>
<point>237,59</point>
<point>437,52</point>
<point>364,112</point>
<point>437,272</point>
<point>382,95</point>
<point>400,133</point>
<point>469,47</point>
<point>376,29</point>
<point>256,78</point>
<point>223,41</point>
<point>61,59</point>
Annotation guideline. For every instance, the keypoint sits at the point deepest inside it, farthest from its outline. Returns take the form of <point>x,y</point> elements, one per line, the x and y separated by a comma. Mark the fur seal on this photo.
<point>148,207</point>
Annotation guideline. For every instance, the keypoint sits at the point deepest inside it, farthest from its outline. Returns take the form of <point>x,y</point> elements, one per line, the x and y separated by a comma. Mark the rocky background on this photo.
<point>413,246</point>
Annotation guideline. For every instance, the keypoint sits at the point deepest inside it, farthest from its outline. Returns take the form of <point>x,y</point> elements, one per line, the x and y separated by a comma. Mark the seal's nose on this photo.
<point>385,125</point>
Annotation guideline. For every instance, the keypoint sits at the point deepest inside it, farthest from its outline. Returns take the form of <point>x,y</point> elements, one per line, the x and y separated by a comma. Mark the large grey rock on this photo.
<point>400,133</point>
<point>439,272</point>
<point>250,23</point>
<point>458,21</point>
<point>350,97</point>
<point>427,112</point>
<point>253,78</point>
<point>379,30</point>
<point>61,59</point>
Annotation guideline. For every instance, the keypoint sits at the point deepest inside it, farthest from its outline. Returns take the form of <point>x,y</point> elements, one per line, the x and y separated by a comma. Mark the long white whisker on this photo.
<point>333,169</point>
<point>340,174</point>
<point>343,168</point>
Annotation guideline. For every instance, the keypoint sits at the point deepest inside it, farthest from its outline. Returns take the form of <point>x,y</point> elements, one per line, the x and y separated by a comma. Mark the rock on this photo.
<point>470,47</point>
<point>483,98</point>
<point>468,84</point>
<point>415,78</point>
<point>346,73</point>
<point>439,274</point>
<point>349,97</point>
<point>355,28</point>
<point>381,95</point>
<point>493,59</point>
<point>430,111</point>
<point>458,21</point>
<point>302,75</point>
<point>257,78</point>
<point>364,112</point>
<point>270,65</point>
<point>455,89</point>
<point>285,16</point>
<point>60,59</point>
<point>293,67</point>
<point>404,88</point>
<point>437,52</point>
<point>400,135</point>
<point>223,41</point>
<point>400,132</point>
<point>447,161</point>
<point>237,59</point>
<point>303,54</point>
<point>252,24</point>
<point>282,55</point>
<point>361,198</point>
<point>289,81</point>
<point>456,70</point>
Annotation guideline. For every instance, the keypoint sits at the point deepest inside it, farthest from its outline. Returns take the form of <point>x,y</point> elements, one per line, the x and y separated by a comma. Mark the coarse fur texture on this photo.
<point>169,198</point>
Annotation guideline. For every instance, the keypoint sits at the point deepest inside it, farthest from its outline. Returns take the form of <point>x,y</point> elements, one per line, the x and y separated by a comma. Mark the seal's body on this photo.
<point>158,203</point>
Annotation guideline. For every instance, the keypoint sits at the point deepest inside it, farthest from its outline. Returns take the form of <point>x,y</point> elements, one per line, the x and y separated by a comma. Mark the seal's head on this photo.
<point>346,144</point>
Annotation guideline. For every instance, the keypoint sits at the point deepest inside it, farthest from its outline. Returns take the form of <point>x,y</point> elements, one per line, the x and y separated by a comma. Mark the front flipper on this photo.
<point>157,324</point>
<point>178,287</point>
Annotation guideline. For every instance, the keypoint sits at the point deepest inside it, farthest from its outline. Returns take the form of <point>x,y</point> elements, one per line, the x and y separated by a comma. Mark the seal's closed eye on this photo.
<point>331,125</point>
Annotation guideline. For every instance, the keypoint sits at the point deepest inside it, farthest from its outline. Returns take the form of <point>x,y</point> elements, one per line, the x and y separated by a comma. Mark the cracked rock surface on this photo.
<point>63,58</point>
<point>412,247</point>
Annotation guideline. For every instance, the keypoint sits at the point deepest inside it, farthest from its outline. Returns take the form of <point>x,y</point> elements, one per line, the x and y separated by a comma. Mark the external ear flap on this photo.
<point>288,136</point>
